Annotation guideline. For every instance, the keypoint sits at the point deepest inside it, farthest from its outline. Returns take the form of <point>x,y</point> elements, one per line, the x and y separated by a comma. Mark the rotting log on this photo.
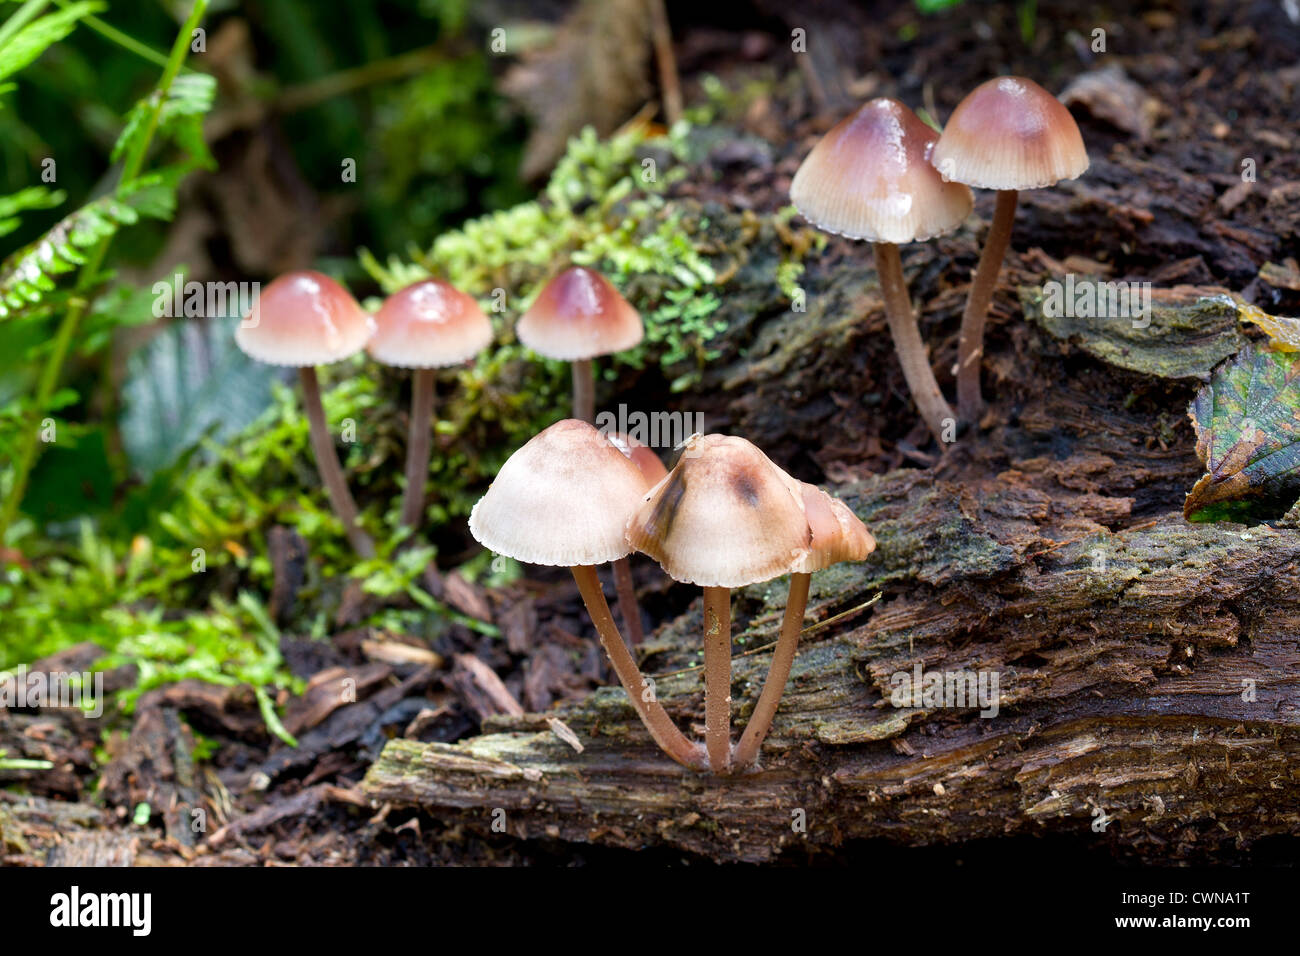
<point>1148,669</point>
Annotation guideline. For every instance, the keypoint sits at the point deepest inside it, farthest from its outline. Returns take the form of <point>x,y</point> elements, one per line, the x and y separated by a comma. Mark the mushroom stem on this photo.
<point>907,340</point>
<point>584,391</point>
<point>665,733</point>
<point>417,446</point>
<point>970,347</point>
<point>627,604</point>
<point>327,463</point>
<point>760,722</point>
<point>717,677</point>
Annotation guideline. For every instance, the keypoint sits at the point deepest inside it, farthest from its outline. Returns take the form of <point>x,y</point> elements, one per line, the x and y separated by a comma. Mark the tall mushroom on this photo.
<point>305,319</point>
<point>426,326</point>
<point>870,178</point>
<point>725,517</point>
<point>836,534</point>
<point>653,470</point>
<point>1008,134</point>
<point>576,317</point>
<point>564,499</point>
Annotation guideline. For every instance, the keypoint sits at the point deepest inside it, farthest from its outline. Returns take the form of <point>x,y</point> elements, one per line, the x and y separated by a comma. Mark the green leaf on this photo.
<point>33,197</point>
<point>1247,422</point>
<point>26,276</point>
<point>180,120</point>
<point>39,35</point>
<point>190,381</point>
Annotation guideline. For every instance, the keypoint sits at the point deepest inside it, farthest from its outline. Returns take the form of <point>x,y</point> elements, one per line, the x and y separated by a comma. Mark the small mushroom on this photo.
<point>424,327</point>
<point>870,178</point>
<point>576,317</point>
<point>836,534</point>
<point>653,470</point>
<point>725,517</point>
<point>1008,134</point>
<point>305,319</point>
<point>564,499</point>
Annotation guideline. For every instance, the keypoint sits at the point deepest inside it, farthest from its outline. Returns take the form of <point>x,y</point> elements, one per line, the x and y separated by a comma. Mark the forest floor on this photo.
<point>1169,113</point>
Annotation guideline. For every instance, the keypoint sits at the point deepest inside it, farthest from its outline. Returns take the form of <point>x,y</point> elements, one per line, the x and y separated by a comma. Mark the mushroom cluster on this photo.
<point>884,176</point>
<point>724,517</point>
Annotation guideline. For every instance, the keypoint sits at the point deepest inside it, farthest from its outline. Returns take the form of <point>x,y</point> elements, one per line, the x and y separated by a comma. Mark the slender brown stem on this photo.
<point>417,446</point>
<point>717,677</point>
<point>970,347</point>
<point>584,391</point>
<point>327,463</point>
<point>669,85</point>
<point>665,733</point>
<point>912,356</point>
<point>627,604</point>
<point>760,722</point>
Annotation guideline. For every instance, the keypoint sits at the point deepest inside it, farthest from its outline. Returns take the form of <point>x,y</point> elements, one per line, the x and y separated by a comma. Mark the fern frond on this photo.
<point>33,197</point>
<point>180,120</point>
<point>29,42</point>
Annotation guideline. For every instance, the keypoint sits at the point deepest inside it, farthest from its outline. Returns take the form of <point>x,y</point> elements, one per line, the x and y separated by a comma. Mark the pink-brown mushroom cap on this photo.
<point>1010,133</point>
<point>870,178</point>
<point>429,324</point>
<point>579,315</point>
<point>304,318</point>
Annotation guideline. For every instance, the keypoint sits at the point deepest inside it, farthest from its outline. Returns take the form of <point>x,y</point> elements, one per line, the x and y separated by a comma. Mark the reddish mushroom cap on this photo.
<point>644,457</point>
<point>725,516</point>
<point>304,318</point>
<point>837,533</point>
<point>870,178</point>
<point>579,315</point>
<point>1010,133</point>
<point>428,325</point>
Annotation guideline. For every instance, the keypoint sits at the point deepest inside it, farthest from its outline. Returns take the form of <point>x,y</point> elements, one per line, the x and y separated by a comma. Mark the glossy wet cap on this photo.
<point>563,499</point>
<point>429,324</point>
<point>870,178</point>
<point>1010,133</point>
<point>724,517</point>
<point>304,318</point>
<point>651,466</point>
<point>837,534</point>
<point>579,315</point>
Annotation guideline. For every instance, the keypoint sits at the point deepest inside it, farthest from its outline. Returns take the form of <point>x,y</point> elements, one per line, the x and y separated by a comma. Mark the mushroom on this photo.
<point>577,316</point>
<point>564,499</point>
<point>870,178</point>
<point>653,470</point>
<point>426,326</point>
<point>836,534</point>
<point>725,517</point>
<point>1008,134</point>
<point>305,319</point>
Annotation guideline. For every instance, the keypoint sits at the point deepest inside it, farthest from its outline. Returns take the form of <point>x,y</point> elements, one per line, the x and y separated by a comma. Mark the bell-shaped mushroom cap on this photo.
<point>652,468</point>
<point>870,178</point>
<point>428,325</point>
<point>1010,133</point>
<point>563,499</point>
<point>304,318</point>
<point>579,315</point>
<point>837,533</point>
<point>724,517</point>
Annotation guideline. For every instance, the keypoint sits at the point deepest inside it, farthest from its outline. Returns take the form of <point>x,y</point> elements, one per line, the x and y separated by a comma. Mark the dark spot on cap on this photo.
<point>665,511</point>
<point>745,489</point>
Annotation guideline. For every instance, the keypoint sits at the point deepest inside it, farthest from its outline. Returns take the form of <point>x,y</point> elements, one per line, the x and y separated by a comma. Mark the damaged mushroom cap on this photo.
<point>429,324</point>
<point>870,178</point>
<point>304,318</point>
<point>563,499</point>
<point>837,534</point>
<point>1010,133</point>
<point>644,457</point>
<point>724,517</point>
<point>579,315</point>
